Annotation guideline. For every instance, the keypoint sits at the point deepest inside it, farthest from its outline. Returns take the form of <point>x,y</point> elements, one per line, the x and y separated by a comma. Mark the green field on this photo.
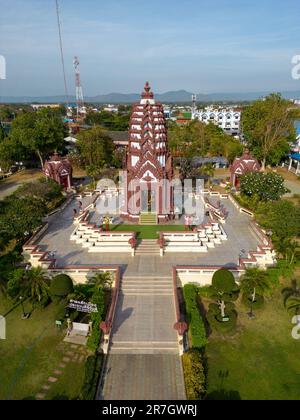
<point>32,351</point>
<point>147,232</point>
<point>259,361</point>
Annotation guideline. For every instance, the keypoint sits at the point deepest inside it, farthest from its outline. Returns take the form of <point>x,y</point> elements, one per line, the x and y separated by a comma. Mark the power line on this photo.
<point>62,53</point>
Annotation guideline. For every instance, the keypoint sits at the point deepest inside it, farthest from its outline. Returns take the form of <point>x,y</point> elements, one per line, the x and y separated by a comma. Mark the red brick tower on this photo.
<point>149,163</point>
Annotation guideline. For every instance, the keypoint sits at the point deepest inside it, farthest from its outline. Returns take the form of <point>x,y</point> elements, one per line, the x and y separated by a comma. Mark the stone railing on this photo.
<point>180,325</point>
<point>106,326</point>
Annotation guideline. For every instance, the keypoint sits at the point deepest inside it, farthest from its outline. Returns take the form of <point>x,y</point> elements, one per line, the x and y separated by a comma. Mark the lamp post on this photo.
<point>24,314</point>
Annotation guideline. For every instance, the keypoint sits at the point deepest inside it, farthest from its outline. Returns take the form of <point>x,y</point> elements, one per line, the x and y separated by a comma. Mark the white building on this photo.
<point>111,108</point>
<point>227,119</point>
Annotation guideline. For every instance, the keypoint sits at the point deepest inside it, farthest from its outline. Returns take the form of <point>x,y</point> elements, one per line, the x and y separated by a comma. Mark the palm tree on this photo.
<point>36,284</point>
<point>254,282</point>
<point>101,280</point>
<point>293,305</point>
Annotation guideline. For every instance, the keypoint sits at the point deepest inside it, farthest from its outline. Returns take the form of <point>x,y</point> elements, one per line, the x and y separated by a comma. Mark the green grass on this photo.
<point>147,232</point>
<point>32,351</point>
<point>260,360</point>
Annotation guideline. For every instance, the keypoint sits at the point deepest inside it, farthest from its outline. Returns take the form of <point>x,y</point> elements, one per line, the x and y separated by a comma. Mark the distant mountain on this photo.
<point>179,96</point>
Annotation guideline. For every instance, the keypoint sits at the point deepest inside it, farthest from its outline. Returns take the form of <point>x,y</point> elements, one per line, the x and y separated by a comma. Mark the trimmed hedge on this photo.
<point>96,317</point>
<point>194,374</point>
<point>93,367</point>
<point>61,286</point>
<point>195,321</point>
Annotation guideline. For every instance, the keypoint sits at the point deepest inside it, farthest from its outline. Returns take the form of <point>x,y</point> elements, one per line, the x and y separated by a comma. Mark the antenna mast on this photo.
<point>79,91</point>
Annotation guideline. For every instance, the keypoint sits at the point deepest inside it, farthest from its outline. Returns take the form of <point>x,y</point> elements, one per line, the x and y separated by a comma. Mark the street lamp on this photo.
<point>24,314</point>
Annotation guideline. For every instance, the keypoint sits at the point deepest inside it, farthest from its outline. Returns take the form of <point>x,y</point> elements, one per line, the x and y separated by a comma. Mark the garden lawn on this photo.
<point>259,361</point>
<point>32,351</point>
<point>147,231</point>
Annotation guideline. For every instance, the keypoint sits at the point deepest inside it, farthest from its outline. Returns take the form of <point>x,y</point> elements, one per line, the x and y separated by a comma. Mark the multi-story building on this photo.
<point>227,119</point>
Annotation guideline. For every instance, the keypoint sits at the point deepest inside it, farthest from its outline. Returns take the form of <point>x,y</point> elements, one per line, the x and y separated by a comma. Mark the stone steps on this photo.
<point>148,219</point>
<point>147,286</point>
<point>148,247</point>
<point>144,347</point>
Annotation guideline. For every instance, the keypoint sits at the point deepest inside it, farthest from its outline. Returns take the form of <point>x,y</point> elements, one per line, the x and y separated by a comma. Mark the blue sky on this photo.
<point>197,45</point>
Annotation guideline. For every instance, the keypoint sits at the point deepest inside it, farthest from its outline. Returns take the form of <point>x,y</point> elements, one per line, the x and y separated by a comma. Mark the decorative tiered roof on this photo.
<point>148,155</point>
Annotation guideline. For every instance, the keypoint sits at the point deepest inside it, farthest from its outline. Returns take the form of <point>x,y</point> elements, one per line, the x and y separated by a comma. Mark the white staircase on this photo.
<point>147,247</point>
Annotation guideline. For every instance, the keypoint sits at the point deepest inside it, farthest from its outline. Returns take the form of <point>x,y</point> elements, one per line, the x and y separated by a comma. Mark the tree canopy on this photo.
<point>267,186</point>
<point>95,147</point>
<point>268,126</point>
<point>199,139</point>
<point>40,132</point>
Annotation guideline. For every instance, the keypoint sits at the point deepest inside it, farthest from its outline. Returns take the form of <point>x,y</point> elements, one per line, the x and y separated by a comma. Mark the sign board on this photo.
<point>2,328</point>
<point>81,306</point>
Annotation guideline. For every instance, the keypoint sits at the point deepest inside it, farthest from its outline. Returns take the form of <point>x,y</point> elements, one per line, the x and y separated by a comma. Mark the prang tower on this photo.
<point>149,164</point>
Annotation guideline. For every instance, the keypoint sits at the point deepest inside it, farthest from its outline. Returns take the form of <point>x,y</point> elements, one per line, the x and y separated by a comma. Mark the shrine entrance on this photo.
<point>148,198</point>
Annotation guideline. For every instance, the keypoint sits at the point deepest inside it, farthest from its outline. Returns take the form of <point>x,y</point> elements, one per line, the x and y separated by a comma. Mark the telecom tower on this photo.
<point>79,91</point>
<point>194,105</point>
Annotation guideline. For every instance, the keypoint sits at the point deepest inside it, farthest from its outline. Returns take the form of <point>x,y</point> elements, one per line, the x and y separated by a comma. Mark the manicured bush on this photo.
<point>216,322</point>
<point>194,375</point>
<point>61,286</point>
<point>93,367</point>
<point>194,318</point>
<point>223,280</point>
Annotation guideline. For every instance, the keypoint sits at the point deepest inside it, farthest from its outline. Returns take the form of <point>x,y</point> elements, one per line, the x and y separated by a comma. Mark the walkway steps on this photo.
<point>147,247</point>
<point>144,347</point>
<point>148,219</point>
<point>147,286</point>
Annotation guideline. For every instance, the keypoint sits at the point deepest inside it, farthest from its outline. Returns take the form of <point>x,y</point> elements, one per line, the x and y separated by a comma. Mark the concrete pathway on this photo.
<point>144,351</point>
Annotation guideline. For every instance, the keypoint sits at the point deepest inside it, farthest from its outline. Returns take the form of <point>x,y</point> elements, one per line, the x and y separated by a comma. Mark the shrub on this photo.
<point>61,286</point>
<point>196,324</point>
<point>216,322</point>
<point>223,280</point>
<point>93,367</point>
<point>96,317</point>
<point>14,285</point>
<point>194,375</point>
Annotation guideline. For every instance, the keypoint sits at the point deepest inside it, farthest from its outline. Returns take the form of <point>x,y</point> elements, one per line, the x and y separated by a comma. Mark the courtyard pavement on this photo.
<point>57,240</point>
<point>144,362</point>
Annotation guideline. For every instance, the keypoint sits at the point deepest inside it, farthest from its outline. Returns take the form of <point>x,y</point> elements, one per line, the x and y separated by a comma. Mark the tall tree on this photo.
<point>95,147</point>
<point>268,126</point>
<point>41,132</point>
<point>36,284</point>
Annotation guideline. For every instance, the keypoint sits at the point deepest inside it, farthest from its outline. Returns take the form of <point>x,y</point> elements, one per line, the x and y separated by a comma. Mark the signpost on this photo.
<point>81,306</point>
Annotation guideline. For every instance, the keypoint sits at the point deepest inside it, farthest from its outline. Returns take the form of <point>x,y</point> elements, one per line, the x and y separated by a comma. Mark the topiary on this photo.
<point>223,280</point>
<point>61,286</point>
<point>218,324</point>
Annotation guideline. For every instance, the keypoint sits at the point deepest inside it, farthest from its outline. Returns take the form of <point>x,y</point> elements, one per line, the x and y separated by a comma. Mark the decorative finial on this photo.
<point>147,94</point>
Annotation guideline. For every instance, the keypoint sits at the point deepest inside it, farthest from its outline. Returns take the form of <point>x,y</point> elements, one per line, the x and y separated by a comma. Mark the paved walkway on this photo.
<point>144,362</point>
<point>144,351</point>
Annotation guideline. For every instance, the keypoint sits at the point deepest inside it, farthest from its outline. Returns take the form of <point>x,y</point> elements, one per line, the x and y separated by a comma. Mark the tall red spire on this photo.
<point>149,161</point>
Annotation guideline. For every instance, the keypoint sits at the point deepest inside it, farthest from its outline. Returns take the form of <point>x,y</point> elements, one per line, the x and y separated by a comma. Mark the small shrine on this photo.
<point>60,170</point>
<point>242,165</point>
